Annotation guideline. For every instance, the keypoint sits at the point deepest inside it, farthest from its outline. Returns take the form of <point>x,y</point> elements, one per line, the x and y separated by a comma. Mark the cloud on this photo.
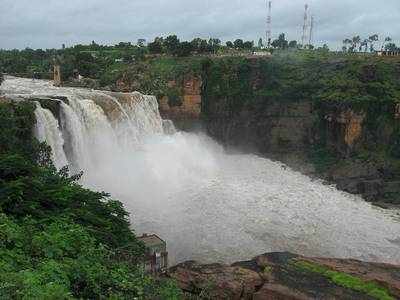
<point>50,23</point>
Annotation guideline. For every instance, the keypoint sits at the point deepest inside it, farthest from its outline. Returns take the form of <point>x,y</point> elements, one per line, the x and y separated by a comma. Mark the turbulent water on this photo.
<point>206,204</point>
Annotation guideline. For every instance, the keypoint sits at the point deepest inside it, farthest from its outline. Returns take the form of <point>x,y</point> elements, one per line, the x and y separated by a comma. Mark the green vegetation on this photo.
<point>160,76</point>
<point>59,240</point>
<point>228,79</point>
<point>323,158</point>
<point>308,75</point>
<point>368,44</point>
<point>330,83</point>
<point>107,64</point>
<point>371,289</point>
<point>92,61</point>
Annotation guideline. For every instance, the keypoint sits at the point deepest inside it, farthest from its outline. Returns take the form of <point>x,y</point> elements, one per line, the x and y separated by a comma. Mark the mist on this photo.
<point>208,205</point>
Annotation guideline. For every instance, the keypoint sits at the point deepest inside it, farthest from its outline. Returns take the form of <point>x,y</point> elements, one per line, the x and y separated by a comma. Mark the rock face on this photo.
<point>353,144</point>
<point>187,114</point>
<point>289,276</point>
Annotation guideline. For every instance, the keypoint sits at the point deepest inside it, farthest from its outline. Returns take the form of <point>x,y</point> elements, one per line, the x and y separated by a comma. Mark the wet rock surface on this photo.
<point>289,276</point>
<point>346,143</point>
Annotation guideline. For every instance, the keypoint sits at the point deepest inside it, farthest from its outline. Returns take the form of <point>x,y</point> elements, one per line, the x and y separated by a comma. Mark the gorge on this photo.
<point>207,204</point>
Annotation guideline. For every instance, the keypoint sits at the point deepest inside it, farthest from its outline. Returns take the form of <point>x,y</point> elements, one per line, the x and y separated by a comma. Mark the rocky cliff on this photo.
<point>334,118</point>
<point>186,112</point>
<point>289,276</point>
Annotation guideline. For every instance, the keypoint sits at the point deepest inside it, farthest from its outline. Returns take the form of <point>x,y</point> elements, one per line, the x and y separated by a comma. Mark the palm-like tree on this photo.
<point>355,41</point>
<point>373,38</point>
<point>387,40</point>
<point>365,44</point>
<point>346,43</point>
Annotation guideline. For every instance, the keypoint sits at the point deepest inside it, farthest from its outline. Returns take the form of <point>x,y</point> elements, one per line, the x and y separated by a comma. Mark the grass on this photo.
<point>369,288</point>
<point>176,66</point>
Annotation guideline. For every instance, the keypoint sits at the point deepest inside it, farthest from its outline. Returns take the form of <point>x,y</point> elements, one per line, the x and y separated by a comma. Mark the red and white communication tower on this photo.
<point>305,27</point>
<point>311,36</point>
<point>269,21</point>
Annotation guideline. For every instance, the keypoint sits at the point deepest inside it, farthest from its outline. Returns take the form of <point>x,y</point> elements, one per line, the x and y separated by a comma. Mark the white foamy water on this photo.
<point>47,130</point>
<point>206,204</point>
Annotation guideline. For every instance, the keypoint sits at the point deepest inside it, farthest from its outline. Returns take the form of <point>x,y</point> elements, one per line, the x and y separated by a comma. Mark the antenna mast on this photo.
<point>305,27</point>
<point>269,21</point>
<point>310,38</point>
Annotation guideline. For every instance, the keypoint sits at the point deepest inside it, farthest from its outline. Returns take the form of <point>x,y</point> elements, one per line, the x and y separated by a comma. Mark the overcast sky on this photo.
<point>50,23</point>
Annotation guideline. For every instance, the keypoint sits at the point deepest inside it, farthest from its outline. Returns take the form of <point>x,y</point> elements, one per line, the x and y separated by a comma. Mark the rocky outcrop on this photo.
<point>354,144</point>
<point>87,83</point>
<point>289,276</point>
<point>297,132</point>
<point>185,114</point>
<point>217,281</point>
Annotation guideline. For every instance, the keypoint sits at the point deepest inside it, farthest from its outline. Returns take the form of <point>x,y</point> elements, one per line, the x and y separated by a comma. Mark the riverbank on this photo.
<point>289,276</point>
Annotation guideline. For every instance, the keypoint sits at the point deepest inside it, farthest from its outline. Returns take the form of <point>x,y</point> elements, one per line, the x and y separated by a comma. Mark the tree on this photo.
<point>293,44</point>
<point>124,45</point>
<point>141,42</point>
<point>324,48</point>
<point>171,43</point>
<point>373,38</point>
<point>365,45</point>
<point>196,43</point>
<point>60,240</point>
<point>260,43</point>
<point>204,47</point>
<point>355,41</point>
<point>238,44</point>
<point>214,44</point>
<point>391,47</point>
<point>346,44</point>
<point>281,42</point>
<point>86,64</point>
<point>156,47</point>
<point>184,49</point>
<point>229,44</point>
<point>248,45</point>
<point>387,40</point>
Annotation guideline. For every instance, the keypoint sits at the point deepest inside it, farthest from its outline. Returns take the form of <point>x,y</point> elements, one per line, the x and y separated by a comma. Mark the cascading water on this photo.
<point>47,130</point>
<point>74,132</point>
<point>208,205</point>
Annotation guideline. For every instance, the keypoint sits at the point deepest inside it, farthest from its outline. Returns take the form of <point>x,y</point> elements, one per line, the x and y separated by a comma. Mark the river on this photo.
<point>207,204</point>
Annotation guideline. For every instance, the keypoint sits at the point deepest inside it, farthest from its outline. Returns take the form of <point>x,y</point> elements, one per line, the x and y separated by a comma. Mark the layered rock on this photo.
<point>186,114</point>
<point>354,144</point>
<point>289,276</point>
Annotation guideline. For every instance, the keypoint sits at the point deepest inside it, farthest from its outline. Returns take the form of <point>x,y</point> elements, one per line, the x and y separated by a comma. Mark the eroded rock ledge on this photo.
<point>289,276</point>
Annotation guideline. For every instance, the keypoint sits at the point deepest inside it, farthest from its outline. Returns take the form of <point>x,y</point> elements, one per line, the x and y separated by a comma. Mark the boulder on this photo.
<point>288,276</point>
<point>216,280</point>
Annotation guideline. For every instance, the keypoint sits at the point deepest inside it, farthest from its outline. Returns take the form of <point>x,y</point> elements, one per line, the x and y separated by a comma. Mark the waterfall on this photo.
<point>47,130</point>
<point>169,127</point>
<point>74,134</point>
<point>206,204</point>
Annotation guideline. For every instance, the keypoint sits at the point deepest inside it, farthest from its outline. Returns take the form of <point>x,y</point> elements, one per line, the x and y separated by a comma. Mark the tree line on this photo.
<point>101,61</point>
<point>358,44</point>
<point>172,45</point>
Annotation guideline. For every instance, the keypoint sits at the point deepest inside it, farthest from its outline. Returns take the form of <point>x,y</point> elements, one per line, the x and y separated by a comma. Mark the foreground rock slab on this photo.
<point>289,276</point>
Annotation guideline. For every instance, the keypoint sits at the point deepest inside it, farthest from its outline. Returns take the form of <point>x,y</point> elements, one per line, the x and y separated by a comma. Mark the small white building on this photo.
<point>387,53</point>
<point>261,53</point>
<point>156,259</point>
